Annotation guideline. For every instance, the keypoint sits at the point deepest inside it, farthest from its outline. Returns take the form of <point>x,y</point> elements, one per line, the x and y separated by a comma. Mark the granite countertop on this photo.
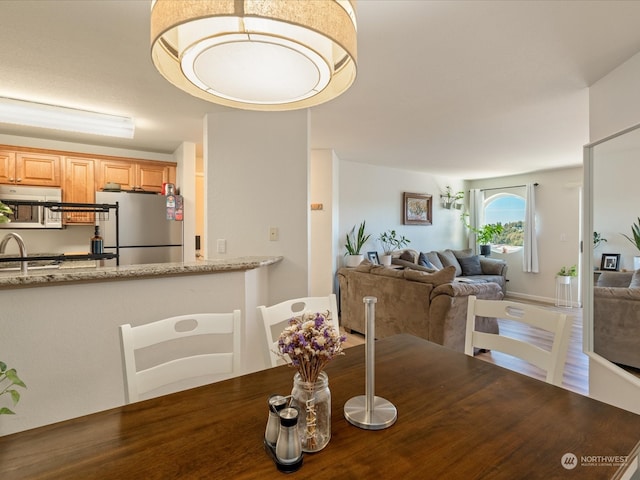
<point>12,279</point>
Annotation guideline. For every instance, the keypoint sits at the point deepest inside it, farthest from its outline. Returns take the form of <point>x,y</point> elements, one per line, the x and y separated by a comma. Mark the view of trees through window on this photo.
<point>507,210</point>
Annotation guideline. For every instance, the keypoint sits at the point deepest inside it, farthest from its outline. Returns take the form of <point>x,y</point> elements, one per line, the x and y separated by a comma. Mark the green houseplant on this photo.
<point>598,239</point>
<point>571,271</point>
<point>8,380</point>
<point>450,199</point>
<point>635,241</point>
<point>355,242</point>
<point>391,241</point>
<point>4,211</point>
<point>635,231</point>
<point>485,235</point>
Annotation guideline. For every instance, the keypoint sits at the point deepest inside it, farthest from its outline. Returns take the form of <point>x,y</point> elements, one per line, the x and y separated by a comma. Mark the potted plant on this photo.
<point>597,239</point>
<point>355,242</point>
<point>4,211</point>
<point>391,242</point>
<point>565,274</point>
<point>450,199</point>
<point>635,241</point>
<point>485,235</point>
<point>8,380</point>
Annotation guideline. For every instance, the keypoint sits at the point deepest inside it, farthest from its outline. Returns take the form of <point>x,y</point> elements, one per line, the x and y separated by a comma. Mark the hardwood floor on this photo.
<point>576,371</point>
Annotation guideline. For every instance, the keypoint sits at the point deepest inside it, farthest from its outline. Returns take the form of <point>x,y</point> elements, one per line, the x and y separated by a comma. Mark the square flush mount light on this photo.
<point>19,112</point>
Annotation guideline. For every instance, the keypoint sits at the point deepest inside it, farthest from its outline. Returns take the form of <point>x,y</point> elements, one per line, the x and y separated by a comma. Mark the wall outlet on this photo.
<point>273,234</point>
<point>222,245</point>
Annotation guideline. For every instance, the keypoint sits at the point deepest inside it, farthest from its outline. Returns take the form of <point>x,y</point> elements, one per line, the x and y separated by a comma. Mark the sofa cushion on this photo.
<point>615,279</point>
<point>470,265</point>
<point>424,261</point>
<point>408,256</point>
<point>467,252</point>
<point>446,275</point>
<point>387,272</point>
<point>411,265</point>
<point>448,258</point>
<point>434,259</point>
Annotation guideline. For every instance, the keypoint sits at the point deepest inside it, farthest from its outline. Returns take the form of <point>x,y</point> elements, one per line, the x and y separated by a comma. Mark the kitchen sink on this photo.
<point>31,265</point>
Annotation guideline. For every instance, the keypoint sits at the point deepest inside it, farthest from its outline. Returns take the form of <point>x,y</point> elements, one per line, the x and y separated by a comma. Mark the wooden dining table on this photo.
<point>458,418</point>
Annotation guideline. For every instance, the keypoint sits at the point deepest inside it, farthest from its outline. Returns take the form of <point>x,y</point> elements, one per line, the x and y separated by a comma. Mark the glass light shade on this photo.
<point>256,54</point>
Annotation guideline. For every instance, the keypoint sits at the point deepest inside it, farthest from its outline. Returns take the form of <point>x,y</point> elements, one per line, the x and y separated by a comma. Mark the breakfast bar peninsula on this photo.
<point>59,328</point>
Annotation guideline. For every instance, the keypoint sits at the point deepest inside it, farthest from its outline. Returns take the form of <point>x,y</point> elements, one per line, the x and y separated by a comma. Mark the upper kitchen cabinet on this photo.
<point>29,168</point>
<point>79,187</point>
<point>136,175</point>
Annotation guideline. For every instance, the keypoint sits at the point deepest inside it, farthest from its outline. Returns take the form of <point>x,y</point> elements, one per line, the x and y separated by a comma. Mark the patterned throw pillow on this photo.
<point>424,261</point>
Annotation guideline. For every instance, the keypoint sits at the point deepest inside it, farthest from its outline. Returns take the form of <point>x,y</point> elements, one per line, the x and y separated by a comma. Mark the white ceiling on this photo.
<point>466,89</point>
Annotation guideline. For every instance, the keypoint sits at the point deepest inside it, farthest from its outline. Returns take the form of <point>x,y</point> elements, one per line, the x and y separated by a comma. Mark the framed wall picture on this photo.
<point>610,262</point>
<point>373,258</point>
<point>416,209</point>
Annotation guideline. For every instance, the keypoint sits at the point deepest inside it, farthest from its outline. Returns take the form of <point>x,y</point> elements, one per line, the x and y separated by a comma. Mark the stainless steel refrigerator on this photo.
<point>145,234</point>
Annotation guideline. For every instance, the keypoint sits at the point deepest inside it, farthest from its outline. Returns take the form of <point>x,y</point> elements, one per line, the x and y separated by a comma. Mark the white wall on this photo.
<point>614,105</point>
<point>185,155</point>
<point>558,227</point>
<point>257,169</point>
<point>374,194</point>
<point>324,223</point>
<point>614,100</point>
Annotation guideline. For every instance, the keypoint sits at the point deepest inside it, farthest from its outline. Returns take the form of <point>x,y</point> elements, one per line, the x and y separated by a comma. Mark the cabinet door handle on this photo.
<point>18,179</point>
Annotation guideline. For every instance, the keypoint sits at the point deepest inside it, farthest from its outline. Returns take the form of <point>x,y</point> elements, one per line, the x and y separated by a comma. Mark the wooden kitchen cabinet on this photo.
<point>116,171</point>
<point>136,175</point>
<point>79,187</point>
<point>29,168</point>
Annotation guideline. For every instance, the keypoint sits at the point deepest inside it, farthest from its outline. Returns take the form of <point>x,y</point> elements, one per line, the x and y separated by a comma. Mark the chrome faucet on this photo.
<point>21,247</point>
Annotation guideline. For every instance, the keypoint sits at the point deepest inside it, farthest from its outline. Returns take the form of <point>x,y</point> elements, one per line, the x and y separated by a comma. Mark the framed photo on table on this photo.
<point>416,209</point>
<point>373,258</point>
<point>610,262</point>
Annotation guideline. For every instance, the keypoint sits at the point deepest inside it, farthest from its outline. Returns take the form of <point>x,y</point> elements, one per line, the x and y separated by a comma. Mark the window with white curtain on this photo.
<point>507,209</point>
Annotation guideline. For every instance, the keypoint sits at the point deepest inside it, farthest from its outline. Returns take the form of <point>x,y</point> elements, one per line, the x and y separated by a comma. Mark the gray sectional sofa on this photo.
<point>616,317</point>
<point>429,305</point>
<point>469,268</point>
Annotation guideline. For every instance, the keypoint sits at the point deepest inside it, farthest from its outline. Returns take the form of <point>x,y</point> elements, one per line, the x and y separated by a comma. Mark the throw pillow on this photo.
<point>470,266</point>
<point>446,275</point>
<point>407,256</point>
<point>467,252</point>
<point>434,259</point>
<point>424,261</point>
<point>635,280</point>
<point>448,258</point>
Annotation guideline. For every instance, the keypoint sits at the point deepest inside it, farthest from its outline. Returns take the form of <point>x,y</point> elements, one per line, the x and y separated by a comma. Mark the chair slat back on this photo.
<point>275,318</point>
<point>141,381</point>
<point>552,361</point>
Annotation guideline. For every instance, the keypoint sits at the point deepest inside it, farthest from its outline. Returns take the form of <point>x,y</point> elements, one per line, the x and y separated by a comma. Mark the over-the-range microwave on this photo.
<point>30,216</point>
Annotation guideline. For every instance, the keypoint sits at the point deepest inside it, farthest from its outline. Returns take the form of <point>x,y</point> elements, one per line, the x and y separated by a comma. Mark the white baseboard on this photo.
<point>535,298</point>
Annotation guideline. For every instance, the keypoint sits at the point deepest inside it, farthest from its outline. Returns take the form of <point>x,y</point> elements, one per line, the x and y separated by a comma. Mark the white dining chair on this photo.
<point>275,318</point>
<point>552,361</point>
<point>219,331</point>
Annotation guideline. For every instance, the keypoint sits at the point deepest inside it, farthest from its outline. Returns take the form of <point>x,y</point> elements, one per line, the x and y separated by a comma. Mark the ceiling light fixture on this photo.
<point>30,114</point>
<point>256,54</point>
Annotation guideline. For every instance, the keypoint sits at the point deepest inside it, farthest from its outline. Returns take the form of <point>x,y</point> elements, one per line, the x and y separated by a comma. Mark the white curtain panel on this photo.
<point>530,257</point>
<point>476,201</point>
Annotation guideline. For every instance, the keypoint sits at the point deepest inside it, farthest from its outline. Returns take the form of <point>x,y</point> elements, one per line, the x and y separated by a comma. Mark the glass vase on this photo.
<point>313,399</point>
